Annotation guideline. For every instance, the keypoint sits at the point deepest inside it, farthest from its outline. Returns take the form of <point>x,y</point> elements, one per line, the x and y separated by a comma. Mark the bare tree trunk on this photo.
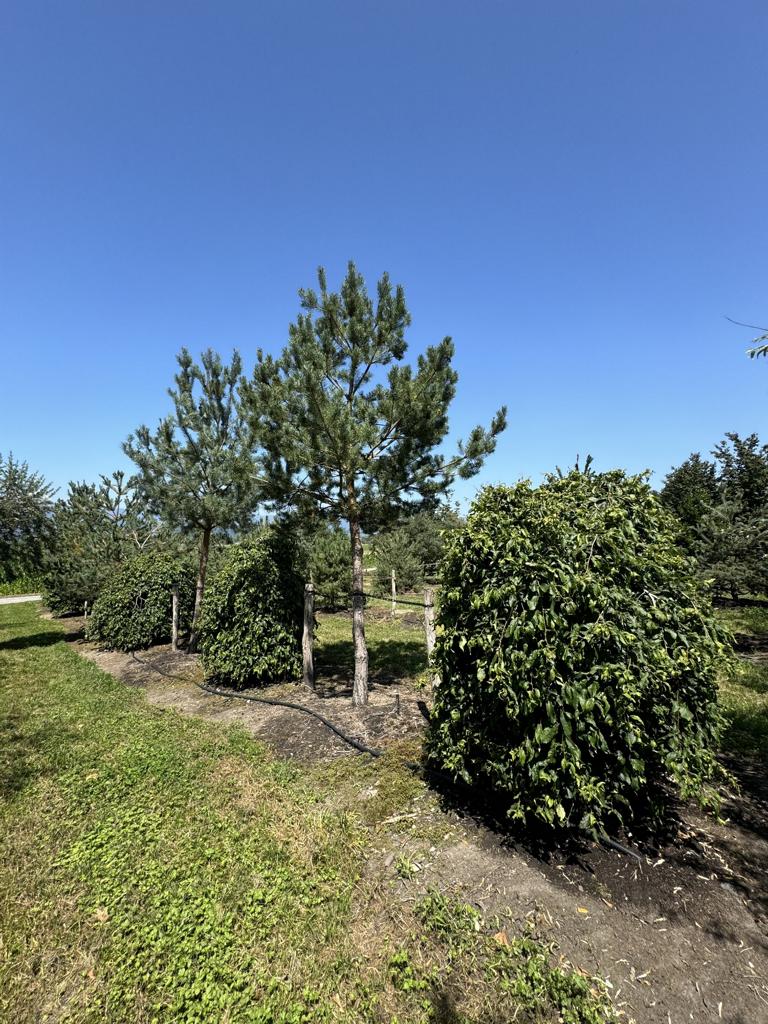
<point>360,685</point>
<point>205,544</point>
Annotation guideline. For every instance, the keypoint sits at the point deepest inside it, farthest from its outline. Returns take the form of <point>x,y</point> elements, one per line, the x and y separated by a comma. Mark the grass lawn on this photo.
<point>745,693</point>
<point>396,647</point>
<point>155,868</point>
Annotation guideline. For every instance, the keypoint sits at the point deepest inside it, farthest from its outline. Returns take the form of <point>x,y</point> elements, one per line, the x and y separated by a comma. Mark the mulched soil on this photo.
<point>680,934</point>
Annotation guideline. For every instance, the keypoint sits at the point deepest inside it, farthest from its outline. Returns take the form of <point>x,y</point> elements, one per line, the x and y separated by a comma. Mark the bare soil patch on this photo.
<point>680,935</point>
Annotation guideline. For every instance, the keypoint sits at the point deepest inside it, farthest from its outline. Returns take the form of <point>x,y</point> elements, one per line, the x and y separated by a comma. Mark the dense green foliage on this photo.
<point>25,519</point>
<point>329,566</point>
<point>690,490</point>
<point>578,654</point>
<point>250,628</point>
<point>95,530</point>
<point>722,507</point>
<point>133,609</point>
<point>414,548</point>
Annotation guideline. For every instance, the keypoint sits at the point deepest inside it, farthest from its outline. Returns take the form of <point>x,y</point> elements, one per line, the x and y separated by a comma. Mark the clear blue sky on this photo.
<point>575,192</point>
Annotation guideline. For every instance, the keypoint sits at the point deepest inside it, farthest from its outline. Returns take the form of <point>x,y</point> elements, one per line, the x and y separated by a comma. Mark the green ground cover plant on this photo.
<point>156,869</point>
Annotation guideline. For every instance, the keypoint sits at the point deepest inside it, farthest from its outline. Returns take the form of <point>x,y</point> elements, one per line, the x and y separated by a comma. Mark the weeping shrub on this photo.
<point>251,621</point>
<point>134,607</point>
<point>578,654</point>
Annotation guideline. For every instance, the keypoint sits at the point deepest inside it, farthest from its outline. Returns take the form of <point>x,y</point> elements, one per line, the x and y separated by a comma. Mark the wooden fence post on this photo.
<point>394,594</point>
<point>429,629</point>
<point>85,610</point>
<point>175,619</point>
<point>307,638</point>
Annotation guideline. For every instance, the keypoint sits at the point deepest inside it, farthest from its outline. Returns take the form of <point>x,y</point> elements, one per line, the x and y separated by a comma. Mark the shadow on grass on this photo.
<point>389,661</point>
<point>22,643</point>
<point>28,752</point>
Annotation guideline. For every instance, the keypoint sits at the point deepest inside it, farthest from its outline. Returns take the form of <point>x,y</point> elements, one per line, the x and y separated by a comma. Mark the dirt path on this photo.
<point>679,937</point>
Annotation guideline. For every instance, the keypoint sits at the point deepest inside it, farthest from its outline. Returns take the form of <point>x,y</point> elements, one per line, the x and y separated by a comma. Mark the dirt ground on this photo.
<point>680,934</point>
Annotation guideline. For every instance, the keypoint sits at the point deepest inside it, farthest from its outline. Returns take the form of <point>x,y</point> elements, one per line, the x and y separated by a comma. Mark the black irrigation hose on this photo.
<point>361,747</point>
<point>274,703</point>
<point>295,707</point>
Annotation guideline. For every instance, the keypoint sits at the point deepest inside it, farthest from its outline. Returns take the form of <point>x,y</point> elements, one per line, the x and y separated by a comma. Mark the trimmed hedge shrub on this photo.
<point>578,654</point>
<point>252,615</point>
<point>133,609</point>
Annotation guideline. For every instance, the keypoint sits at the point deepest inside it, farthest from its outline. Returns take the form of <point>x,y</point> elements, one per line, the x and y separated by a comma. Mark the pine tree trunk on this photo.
<point>360,685</point>
<point>205,544</point>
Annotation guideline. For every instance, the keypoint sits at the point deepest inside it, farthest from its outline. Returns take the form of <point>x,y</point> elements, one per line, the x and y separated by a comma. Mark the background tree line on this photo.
<point>721,504</point>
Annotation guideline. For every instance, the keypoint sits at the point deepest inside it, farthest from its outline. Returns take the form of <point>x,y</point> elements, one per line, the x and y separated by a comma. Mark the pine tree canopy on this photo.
<point>196,469</point>
<point>345,424</point>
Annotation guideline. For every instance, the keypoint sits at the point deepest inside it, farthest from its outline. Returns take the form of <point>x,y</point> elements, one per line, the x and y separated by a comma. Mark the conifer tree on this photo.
<point>25,518</point>
<point>196,469</point>
<point>348,429</point>
<point>94,530</point>
<point>690,490</point>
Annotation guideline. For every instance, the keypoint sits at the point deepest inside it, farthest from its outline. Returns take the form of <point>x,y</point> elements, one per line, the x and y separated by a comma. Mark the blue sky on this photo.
<point>574,192</point>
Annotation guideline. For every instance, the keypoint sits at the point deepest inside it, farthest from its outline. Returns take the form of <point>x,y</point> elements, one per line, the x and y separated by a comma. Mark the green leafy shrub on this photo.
<point>578,654</point>
<point>251,622</point>
<point>133,609</point>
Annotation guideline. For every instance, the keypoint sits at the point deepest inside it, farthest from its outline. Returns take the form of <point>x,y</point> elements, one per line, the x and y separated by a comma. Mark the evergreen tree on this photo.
<point>25,518</point>
<point>732,550</point>
<point>96,529</point>
<point>690,490</point>
<point>196,469</point>
<point>414,548</point>
<point>743,472</point>
<point>329,566</point>
<point>349,429</point>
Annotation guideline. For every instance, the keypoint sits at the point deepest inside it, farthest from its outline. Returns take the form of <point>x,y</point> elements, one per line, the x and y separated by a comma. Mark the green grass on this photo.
<point>156,869</point>
<point>396,647</point>
<point>744,693</point>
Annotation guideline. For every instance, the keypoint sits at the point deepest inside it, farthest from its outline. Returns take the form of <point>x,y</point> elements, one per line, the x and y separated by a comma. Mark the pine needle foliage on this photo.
<point>578,654</point>
<point>94,531</point>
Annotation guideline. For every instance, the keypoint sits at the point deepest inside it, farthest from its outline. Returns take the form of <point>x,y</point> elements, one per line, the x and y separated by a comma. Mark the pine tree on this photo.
<point>347,428</point>
<point>96,529</point>
<point>743,472</point>
<point>197,470</point>
<point>25,518</point>
<point>690,490</point>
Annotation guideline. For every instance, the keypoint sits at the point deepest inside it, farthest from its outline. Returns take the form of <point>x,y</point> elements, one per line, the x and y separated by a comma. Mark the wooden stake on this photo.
<point>85,610</point>
<point>394,594</point>
<point>175,619</point>
<point>307,640</point>
<point>429,629</point>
